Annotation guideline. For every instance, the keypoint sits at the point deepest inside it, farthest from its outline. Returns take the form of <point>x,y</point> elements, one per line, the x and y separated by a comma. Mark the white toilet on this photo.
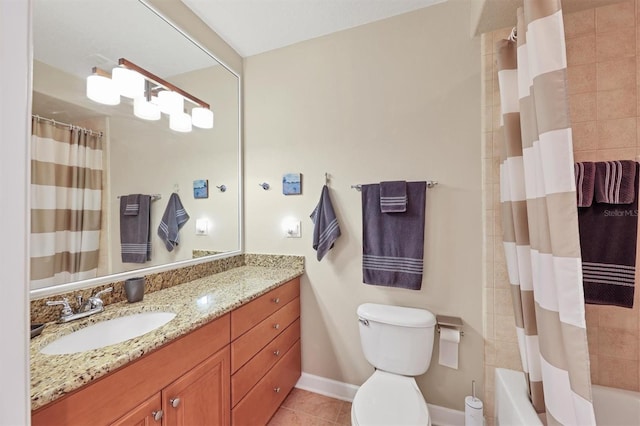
<point>398,342</point>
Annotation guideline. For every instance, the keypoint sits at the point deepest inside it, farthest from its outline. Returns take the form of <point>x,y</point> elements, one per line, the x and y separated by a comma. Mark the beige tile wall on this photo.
<point>603,47</point>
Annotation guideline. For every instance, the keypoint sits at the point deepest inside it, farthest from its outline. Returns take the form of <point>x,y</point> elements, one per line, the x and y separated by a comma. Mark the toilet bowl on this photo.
<point>389,399</point>
<point>398,342</point>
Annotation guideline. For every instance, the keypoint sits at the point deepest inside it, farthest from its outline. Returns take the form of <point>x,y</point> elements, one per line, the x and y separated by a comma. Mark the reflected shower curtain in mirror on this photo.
<point>540,218</point>
<point>66,198</point>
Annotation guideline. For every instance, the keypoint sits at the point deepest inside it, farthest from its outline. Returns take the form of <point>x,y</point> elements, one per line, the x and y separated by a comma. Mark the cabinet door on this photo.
<point>148,413</point>
<point>201,396</point>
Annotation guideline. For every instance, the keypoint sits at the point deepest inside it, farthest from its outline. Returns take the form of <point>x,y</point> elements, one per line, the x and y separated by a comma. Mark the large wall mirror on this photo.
<point>88,156</point>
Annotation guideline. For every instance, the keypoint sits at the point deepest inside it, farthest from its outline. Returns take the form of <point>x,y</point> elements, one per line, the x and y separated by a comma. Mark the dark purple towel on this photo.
<point>393,196</point>
<point>614,182</point>
<point>608,243</point>
<point>585,179</point>
<point>135,231</point>
<point>393,244</point>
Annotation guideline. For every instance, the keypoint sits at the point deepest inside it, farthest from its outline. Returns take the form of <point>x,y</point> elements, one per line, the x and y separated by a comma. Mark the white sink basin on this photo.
<point>108,332</point>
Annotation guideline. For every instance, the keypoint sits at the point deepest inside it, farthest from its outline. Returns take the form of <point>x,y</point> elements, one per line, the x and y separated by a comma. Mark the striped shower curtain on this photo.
<point>540,218</point>
<point>66,191</point>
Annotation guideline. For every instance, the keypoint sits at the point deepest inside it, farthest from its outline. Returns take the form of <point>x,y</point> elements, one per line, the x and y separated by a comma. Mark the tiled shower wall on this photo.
<point>603,54</point>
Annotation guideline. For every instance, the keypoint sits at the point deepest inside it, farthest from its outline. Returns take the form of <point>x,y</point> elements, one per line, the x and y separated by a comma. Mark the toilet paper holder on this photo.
<point>449,322</point>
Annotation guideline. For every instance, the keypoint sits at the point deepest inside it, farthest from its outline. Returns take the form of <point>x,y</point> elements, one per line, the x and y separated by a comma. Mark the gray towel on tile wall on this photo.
<point>393,244</point>
<point>608,234</point>
<point>614,182</point>
<point>173,219</point>
<point>135,230</point>
<point>585,179</point>
<point>326,229</point>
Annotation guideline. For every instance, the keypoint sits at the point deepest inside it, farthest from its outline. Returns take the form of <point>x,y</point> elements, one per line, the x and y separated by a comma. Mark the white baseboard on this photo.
<point>440,416</point>
<point>327,387</point>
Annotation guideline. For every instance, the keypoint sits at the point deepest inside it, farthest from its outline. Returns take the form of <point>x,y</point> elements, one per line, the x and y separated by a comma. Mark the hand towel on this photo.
<point>585,180</point>
<point>173,220</point>
<point>608,244</point>
<point>326,229</point>
<point>133,205</point>
<point>614,182</point>
<point>393,244</point>
<point>135,231</point>
<point>393,196</point>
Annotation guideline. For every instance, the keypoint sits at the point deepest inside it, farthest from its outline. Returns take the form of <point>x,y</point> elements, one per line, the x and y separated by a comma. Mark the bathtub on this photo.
<point>613,407</point>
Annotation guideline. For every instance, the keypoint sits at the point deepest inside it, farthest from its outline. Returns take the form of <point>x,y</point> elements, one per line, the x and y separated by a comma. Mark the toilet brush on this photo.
<point>473,410</point>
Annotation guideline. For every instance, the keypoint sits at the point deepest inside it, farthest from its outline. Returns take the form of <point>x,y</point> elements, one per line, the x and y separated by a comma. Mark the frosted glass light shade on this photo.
<point>170,102</point>
<point>102,90</point>
<point>145,110</point>
<point>129,83</point>
<point>202,117</point>
<point>180,122</point>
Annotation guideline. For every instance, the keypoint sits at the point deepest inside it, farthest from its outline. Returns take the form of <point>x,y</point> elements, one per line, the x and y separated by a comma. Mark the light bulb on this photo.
<point>129,83</point>
<point>202,117</point>
<point>145,110</point>
<point>101,89</point>
<point>180,122</point>
<point>170,102</point>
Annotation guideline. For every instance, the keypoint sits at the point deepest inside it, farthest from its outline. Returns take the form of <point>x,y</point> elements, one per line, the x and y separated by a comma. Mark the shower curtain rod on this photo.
<point>70,126</point>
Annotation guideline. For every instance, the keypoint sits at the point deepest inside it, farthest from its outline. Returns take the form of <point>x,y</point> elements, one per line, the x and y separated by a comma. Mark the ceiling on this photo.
<point>251,27</point>
<point>255,26</point>
<point>77,35</point>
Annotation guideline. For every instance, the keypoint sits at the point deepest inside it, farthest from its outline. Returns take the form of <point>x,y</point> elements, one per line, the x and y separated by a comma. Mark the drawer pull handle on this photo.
<point>276,326</point>
<point>157,415</point>
<point>276,300</point>
<point>276,352</point>
<point>276,390</point>
<point>175,402</point>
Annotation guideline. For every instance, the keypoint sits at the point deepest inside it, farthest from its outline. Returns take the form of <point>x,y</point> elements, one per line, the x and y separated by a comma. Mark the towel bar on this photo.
<point>430,184</point>
<point>154,197</point>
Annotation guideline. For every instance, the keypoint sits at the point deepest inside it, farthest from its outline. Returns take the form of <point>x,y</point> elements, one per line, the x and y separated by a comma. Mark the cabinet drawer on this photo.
<point>252,371</point>
<point>244,348</point>
<point>264,399</point>
<point>245,317</point>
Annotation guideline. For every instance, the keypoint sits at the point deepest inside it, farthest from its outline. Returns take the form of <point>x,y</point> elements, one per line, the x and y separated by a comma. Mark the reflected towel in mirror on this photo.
<point>135,231</point>
<point>173,219</point>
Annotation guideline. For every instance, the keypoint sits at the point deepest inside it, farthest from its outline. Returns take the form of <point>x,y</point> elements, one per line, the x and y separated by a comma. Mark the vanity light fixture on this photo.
<point>101,89</point>
<point>151,96</point>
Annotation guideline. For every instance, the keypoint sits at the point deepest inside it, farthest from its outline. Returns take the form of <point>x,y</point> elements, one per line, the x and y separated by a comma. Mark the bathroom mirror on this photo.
<point>138,156</point>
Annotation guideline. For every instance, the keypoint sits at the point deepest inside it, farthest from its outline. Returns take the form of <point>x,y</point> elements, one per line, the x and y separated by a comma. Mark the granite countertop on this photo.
<point>195,303</point>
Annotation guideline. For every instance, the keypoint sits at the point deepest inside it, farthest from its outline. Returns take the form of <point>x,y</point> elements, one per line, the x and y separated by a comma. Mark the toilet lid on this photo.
<point>390,399</point>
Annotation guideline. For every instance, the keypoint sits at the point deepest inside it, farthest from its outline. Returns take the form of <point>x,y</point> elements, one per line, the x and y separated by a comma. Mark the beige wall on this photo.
<point>395,99</point>
<point>603,79</point>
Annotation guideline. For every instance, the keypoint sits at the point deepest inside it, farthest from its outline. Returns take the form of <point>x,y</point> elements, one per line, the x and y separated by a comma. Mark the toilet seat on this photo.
<point>389,399</point>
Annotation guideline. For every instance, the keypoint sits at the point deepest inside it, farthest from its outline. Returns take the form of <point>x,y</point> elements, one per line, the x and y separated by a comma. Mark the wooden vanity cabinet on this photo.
<point>123,396</point>
<point>237,368</point>
<point>265,354</point>
<point>146,414</point>
<point>200,396</point>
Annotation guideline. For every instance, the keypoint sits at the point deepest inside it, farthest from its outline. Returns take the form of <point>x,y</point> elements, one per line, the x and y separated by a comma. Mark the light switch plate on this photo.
<point>293,230</point>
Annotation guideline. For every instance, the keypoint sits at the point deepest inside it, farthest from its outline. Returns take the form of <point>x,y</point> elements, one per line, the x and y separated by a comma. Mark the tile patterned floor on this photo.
<point>303,408</point>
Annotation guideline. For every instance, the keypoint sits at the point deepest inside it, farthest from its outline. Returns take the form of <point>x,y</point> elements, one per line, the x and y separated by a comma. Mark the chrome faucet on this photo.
<point>92,305</point>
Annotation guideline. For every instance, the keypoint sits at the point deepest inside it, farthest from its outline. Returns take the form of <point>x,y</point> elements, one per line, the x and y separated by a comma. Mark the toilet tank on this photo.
<point>397,339</point>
